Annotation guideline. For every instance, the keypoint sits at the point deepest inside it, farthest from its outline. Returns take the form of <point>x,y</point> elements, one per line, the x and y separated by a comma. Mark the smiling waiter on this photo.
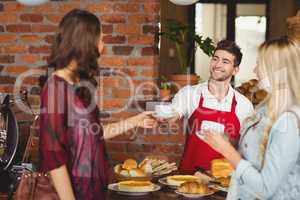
<point>212,105</point>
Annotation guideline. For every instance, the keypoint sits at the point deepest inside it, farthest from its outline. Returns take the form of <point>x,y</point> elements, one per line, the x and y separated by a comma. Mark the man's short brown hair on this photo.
<point>232,48</point>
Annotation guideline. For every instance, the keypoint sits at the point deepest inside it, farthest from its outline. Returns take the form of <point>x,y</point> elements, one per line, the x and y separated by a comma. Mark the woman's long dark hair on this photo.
<point>77,39</point>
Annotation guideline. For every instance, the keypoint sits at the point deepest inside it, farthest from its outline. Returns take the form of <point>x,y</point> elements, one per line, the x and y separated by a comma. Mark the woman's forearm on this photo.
<point>62,183</point>
<point>232,155</point>
<point>115,129</point>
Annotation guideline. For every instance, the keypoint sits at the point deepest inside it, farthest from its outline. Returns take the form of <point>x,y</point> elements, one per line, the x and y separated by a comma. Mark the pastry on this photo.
<point>177,180</point>
<point>193,187</point>
<point>224,182</point>
<point>221,168</point>
<point>136,186</point>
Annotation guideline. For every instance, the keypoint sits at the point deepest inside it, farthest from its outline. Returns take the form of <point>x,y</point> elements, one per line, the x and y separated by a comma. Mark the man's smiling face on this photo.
<point>222,66</point>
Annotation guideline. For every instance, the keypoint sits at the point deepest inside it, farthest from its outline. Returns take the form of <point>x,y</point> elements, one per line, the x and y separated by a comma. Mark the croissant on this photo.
<point>193,187</point>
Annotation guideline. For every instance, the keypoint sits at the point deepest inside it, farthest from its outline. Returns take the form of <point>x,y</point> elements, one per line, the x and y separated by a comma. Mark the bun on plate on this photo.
<point>177,180</point>
<point>224,181</point>
<point>129,164</point>
<point>193,187</point>
<point>221,168</point>
<point>136,186</point>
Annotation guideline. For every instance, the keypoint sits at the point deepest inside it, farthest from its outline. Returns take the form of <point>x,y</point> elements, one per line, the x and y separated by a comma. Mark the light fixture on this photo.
<point>32,2</point>
<point>183,2</point>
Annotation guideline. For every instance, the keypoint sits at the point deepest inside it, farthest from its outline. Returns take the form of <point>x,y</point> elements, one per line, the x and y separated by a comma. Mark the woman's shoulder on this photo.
<point>287,122</point>
<point>54,83</point>
<point>291,114</point>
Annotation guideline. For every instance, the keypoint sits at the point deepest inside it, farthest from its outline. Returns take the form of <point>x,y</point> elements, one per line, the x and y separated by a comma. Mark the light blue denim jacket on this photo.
<point>280,176</point>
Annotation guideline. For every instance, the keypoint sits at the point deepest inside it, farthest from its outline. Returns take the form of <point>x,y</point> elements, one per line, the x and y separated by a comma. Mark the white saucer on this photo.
<point>194,195</point>
<point>218,187</point>
<point>164,116</point>
<point>163,181</point>
<point>114,187</point>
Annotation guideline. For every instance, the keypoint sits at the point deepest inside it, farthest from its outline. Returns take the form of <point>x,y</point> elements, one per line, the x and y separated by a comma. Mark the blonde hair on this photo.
<point>279,62</point>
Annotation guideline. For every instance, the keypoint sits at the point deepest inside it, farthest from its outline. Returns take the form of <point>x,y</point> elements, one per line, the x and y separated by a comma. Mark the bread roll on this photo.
<point>125,173</point>
<point>221,168</point>
<point>246,86</point>
<point>136,186</point>
<point>147,168</point>
<point>129,164</point>
<point>136,173</point>
<point>193,187</point>
<point>253,82</point>
<point>118,168</point>
<point>249,96</point>
<point>220,162</point>
<point>146,160</point>
<point>241,90</point>
<point>260,95</point>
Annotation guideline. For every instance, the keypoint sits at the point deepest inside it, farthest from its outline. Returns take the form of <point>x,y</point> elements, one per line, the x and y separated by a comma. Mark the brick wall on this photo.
<point>129,63</point>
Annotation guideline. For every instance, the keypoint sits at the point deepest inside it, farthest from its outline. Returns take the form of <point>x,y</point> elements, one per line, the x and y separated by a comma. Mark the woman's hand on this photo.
<point>216,140</point>
<point>144,120</point>
<point>219,143</point>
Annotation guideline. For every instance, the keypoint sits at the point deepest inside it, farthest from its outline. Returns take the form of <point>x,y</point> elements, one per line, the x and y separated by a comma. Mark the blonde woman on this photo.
<point>267,165</point>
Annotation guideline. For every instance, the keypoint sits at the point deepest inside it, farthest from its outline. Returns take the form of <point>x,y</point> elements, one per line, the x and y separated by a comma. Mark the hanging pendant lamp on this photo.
<point>183,2</point>
<point>32,2</point>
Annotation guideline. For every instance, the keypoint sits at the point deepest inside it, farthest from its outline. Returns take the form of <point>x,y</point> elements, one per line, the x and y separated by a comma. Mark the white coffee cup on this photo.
<point>210,125</point>
<point>164,111</point>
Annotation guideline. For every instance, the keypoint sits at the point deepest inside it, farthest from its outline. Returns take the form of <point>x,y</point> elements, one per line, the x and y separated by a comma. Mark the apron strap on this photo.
<point>201,101</point>
<point>233,104</point>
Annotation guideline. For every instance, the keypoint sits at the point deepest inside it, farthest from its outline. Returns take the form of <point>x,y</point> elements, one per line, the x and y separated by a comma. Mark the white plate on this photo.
<point>218,187</point>
<point>163,181</point>
<point>194,195</point>
<point>114,187</point>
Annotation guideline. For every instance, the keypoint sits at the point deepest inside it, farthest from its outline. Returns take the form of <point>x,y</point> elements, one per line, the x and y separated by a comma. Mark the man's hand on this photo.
<point>170,120</point>
<point>144,120</point>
